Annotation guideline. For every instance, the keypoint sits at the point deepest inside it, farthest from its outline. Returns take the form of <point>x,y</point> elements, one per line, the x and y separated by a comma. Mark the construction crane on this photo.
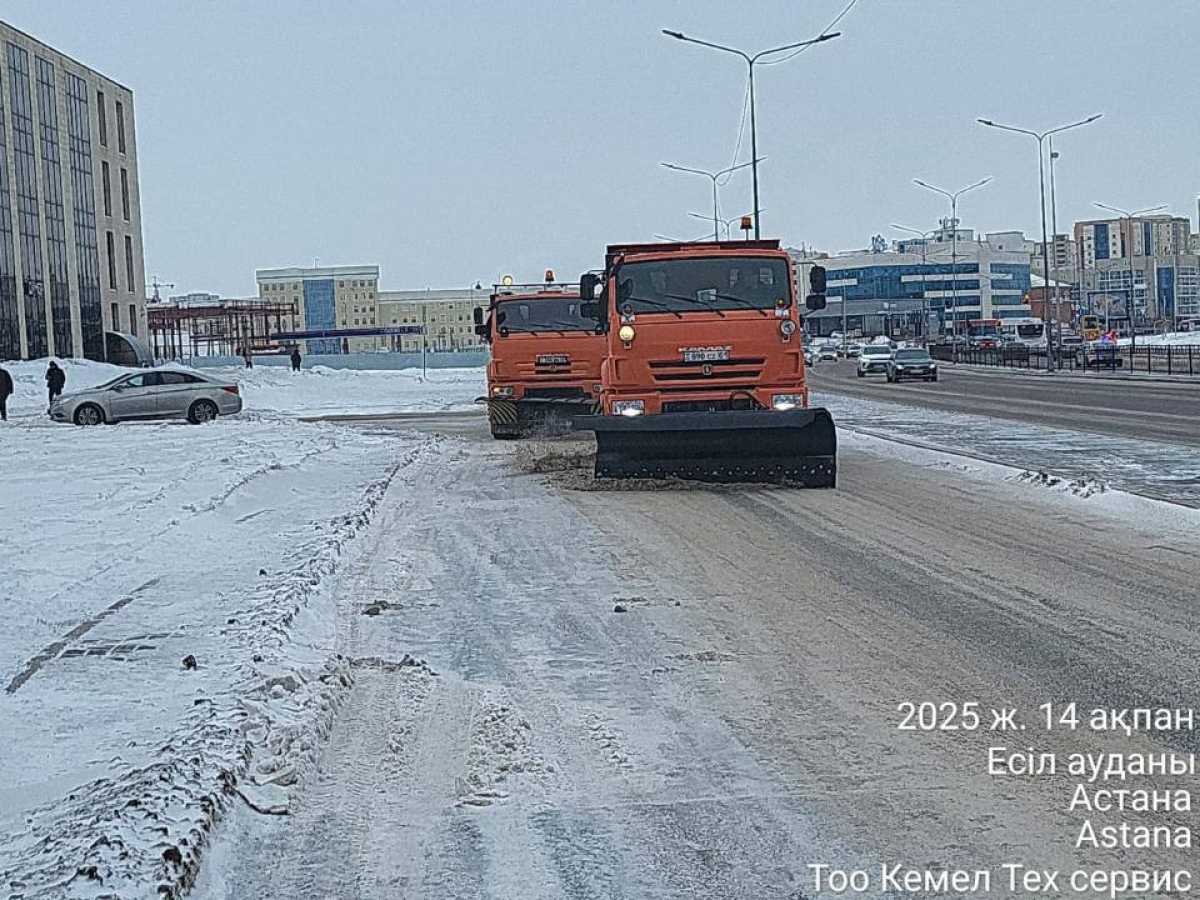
<point>156,284</point>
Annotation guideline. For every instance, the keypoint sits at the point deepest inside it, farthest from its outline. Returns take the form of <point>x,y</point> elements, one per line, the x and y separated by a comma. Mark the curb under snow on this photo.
<point>144,831</point>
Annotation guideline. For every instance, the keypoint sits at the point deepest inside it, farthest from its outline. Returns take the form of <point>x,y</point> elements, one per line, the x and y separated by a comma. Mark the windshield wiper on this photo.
<point>744,302</point>
<point>657,303</point>
<point>695,302</point>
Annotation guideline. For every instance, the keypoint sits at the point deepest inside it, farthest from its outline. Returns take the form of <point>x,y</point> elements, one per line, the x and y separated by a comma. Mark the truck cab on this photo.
<point>545,359</point>
<point>704,374</point>
<point>701,327</point>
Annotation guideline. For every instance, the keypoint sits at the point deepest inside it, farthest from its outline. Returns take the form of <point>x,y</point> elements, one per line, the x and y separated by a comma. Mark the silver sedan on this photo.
<point>152,394</point>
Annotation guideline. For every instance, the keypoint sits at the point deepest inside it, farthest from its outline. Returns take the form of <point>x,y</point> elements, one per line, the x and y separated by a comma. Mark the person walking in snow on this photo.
<point>56,379</point>
<point>296,358</point>
<point>248,359</point>
<point>6,389</point>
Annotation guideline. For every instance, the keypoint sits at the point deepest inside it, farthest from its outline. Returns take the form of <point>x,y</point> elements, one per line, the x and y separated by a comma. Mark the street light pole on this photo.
<point>924,235</point>
<point>1039,137</point>
<point>1129,309</point>
<point>953,197</point>
<point>1054,236</point>
<point>750,62</point>
<point>714,176</point>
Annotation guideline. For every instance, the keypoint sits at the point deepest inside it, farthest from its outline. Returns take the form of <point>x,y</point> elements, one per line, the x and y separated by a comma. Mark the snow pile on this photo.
<point>1080,487</point>
<point>314,391</point>
<point>167,636</point>
<point>323,391</point>
<point>1170,339</point>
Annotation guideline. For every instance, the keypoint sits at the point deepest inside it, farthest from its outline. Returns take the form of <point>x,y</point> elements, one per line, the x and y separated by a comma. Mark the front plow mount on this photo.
<point>761,446</point>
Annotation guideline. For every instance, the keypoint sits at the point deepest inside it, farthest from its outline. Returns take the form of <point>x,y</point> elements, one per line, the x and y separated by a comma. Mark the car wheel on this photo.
<point>934,378</point>
<point>89,414</point>
<point>202,411</point>
<point>859,373</point>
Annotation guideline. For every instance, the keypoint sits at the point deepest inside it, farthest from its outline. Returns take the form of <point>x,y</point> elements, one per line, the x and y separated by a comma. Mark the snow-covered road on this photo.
<point>568,692</point>
<point>313,391</point>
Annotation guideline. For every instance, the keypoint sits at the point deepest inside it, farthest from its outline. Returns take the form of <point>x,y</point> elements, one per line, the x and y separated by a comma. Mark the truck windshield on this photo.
<point>718,283</point>
<point>551,314</point>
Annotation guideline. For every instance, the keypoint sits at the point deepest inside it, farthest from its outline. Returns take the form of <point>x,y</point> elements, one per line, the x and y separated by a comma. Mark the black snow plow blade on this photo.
<point>798,446</point>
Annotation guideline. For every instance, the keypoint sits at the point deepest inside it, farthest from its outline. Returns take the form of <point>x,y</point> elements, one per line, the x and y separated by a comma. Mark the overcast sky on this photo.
<point>451,142</point>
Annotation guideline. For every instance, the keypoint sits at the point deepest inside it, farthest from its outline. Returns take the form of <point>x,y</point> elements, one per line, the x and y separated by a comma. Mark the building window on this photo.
<point>112,260</point>
<point>102,111</point>
<point>115,323</point>
<point>125,193</point>
<point>131,282</point>
<point>133,317</point>
<point>79,131</point>
<point>107,185</point>
<point>120,127</point>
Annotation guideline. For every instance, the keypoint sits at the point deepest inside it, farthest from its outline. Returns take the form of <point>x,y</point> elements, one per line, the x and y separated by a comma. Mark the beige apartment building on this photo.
<point>71,265</point>
<point>447,316</point>
<point>328,297</point>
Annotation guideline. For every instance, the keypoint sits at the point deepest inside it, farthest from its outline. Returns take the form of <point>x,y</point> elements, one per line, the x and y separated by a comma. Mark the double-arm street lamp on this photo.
<point>1129,217</point>
<point>1039,137</point>
<point>714,176</point>
<point>750,62</point>
<point>953,196</point>
<point>728,223</point>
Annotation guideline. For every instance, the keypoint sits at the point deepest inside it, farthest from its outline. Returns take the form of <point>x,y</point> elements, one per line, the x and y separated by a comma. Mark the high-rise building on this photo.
<point>70,213</point>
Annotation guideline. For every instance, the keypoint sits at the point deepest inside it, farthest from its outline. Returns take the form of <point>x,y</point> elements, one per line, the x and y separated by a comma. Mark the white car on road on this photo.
<point>150,394</point>
<point>874,360</point>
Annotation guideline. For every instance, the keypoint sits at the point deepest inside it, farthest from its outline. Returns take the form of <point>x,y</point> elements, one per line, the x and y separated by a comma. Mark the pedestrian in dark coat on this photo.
<point>6,389</point>
<point>296,359</point>
<point>56,378</point>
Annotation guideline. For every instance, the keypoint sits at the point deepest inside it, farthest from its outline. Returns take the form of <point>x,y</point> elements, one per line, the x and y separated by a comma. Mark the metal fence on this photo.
<point>1154,360</point>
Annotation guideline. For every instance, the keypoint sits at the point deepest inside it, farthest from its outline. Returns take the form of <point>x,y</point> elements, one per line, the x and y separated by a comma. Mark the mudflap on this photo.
<point>533,417</point>
<point>764,446</point>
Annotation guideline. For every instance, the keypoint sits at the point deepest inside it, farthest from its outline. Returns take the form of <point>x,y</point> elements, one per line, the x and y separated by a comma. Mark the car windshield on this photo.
<point>877,350</point>
<point>911,356</point>
<point>549,314</point>
<point>717,283</point>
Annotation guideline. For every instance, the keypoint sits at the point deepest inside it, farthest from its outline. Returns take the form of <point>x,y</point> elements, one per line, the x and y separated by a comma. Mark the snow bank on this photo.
<point>1129,509</point>
<point>168,632</point>
<point>276,389</point>
<point>1170,339</point>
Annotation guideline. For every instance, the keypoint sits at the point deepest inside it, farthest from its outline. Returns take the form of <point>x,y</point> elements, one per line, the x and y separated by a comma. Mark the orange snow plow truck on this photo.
<point>545,365</point>
<point>703,376</point>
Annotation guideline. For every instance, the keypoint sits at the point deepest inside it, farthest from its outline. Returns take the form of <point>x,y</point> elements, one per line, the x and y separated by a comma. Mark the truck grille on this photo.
<point>729,403</point>
<point>555,393</point>
<point>667,371</point>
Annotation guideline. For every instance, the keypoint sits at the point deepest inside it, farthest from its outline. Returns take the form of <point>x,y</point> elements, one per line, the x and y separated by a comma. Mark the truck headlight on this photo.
<point>784,402</point>
<point>502,390</point>
<point>628,407</point>
<point>626,333</point>
<point>787,327</point>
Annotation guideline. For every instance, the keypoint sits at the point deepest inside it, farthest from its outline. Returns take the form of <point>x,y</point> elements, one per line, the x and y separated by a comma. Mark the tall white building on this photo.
<point>70,214</point>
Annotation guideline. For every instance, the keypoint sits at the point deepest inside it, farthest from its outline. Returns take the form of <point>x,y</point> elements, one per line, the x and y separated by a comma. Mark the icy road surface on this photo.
<point>572,693</point>
<point>1166,471</point>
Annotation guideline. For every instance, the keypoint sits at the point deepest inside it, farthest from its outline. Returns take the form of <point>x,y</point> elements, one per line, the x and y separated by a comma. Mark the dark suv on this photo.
<point>911,363</point>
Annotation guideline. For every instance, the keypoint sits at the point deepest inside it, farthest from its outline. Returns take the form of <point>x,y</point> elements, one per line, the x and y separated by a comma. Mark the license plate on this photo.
<point>553,359</point>
<point>705,354</point>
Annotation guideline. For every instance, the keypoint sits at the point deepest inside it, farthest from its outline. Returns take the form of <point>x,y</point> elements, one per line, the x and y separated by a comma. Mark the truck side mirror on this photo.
<point>813,302</point>
<point>479,315</point>
<point>587,287</point>
<point>816,281</point>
